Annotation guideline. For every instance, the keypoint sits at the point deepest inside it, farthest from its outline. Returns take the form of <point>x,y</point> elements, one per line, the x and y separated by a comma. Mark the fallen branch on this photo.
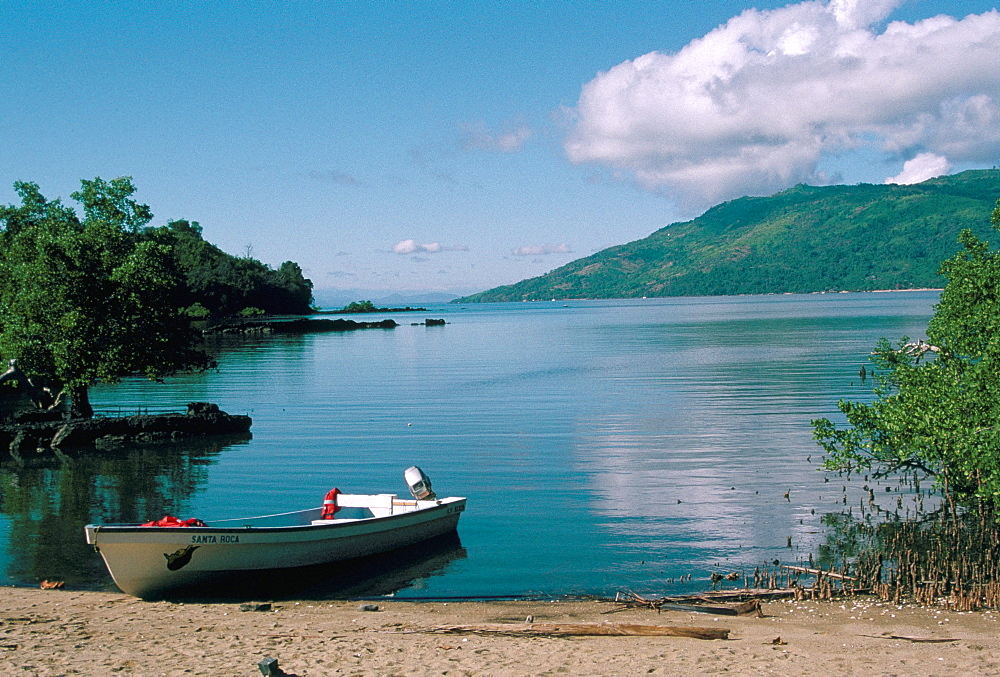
<point>577,630</point>
<point>718,596</point>
<point>746,593</point>
<point>741,609</point>
<point>630,600</point>
<point>925,640</point>
<point>818,572</point>
<point>704,603</point>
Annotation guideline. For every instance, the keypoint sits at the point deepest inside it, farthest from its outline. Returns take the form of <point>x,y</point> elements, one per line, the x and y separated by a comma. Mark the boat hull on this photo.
<point>157,562</point>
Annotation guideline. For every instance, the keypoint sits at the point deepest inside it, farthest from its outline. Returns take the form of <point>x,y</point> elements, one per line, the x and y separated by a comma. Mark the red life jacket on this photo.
<point>171,521</point>
<point>330,506</point>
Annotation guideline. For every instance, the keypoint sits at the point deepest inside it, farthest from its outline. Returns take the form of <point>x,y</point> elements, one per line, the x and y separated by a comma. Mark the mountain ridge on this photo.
<point>862,237</point>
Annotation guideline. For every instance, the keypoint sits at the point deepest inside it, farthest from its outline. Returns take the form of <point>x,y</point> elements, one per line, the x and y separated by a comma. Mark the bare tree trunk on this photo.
<point>79,402</point>
<point>40,397</point>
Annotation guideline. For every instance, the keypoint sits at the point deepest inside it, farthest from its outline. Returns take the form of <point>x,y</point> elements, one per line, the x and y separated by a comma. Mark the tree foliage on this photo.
<point>104,296</point>
<point>937,402</point>
<point>91,299</point>
<point>223,284</point>
<point>359,307</point>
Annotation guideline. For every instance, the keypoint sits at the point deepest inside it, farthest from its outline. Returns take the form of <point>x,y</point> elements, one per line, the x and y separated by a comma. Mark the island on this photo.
<point>355,307</point>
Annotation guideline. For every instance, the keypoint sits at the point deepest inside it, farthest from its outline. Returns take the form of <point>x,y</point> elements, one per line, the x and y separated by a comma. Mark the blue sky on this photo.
<point>456,146</point>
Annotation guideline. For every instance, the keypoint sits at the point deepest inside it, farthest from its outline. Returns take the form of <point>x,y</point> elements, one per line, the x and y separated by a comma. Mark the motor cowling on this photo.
<point>419,483</point>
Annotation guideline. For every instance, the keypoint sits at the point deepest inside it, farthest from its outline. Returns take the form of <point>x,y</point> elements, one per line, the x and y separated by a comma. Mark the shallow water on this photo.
<point>603,445</point>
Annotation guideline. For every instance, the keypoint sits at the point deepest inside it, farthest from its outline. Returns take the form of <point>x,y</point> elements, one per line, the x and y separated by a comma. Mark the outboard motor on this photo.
<point>419,483</point>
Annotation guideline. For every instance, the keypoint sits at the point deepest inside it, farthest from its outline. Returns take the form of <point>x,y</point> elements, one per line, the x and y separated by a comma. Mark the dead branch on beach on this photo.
<point>708,603</point>
<point>916,640</point>
<point>577,630</point>
<point>740,595</point>
<point>741,609</point>
<point>819,572</point>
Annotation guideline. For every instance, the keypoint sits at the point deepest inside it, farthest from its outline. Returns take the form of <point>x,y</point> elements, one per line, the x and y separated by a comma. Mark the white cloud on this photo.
<point>413,247</point>
<point>542,250</point>
<point>852,14</point>
<point>478,137</point>
<point>924,166</point>
<point>753,106</point>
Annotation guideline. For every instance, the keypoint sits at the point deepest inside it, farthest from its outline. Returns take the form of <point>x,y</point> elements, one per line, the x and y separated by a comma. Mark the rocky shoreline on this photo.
<point>34,436</point>
<point>297,326</point>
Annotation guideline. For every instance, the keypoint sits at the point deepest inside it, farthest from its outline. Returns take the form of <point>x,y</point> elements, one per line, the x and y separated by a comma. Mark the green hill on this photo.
<point>218,284</point>
<point>805,239</point>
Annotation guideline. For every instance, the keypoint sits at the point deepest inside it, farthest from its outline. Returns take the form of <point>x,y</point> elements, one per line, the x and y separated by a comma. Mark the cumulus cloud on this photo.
<point>924,166</point>
<point>542,250</point>
<point>414,247</point>
<point>478,137</point>
<point>755,105</point>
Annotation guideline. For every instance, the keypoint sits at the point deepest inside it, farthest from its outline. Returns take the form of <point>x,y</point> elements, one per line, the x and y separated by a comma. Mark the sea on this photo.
<point>604,446</point>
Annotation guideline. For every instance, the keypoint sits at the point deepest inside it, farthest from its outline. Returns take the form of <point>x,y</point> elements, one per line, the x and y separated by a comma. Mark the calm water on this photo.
<point>603,445</point>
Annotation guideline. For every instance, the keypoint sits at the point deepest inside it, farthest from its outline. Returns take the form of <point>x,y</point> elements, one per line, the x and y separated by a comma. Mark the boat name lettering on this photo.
<point>455,508</point>
<point>215,538</point>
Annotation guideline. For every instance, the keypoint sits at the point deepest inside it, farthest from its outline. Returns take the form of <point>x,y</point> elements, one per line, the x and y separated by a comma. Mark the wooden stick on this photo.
<point>819,572</point>
<point>741,609</point>
<point>578,629</point>
<point>632,600</point>
<point>929,640</point>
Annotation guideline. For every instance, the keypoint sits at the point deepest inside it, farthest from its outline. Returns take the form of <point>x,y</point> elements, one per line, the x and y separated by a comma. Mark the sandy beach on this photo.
<point>60,632</point>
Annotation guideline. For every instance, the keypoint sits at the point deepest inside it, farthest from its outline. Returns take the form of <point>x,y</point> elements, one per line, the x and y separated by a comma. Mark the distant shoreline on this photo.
<point>709,296</point>
<point>896,291</point>
<point>368,311</point>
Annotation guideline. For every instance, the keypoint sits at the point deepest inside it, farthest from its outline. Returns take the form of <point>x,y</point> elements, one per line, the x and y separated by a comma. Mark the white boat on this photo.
<point>160,561</point>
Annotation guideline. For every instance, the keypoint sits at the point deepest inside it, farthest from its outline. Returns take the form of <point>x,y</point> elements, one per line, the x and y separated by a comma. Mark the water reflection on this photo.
<point>574,432</point>
<point>707,448</point>
<point>45,504</point>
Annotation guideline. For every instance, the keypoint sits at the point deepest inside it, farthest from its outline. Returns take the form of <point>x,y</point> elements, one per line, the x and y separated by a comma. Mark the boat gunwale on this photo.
<point>138,528</point>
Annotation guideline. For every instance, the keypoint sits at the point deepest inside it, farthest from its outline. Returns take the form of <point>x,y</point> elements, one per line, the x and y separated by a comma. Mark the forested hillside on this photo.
<point>220,284</point>
<point>805,239</point>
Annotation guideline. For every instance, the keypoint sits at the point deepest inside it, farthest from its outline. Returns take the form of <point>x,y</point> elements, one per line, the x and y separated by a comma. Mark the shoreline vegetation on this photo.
<point>62,632</point>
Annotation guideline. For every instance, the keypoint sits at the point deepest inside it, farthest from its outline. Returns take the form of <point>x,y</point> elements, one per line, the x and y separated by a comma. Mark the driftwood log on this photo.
<point>706,603</point>
<point>740,609</point>
<point>578,630</point>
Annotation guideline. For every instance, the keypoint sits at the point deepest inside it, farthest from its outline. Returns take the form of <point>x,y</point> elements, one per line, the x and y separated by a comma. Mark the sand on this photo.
<point>60,632</point>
